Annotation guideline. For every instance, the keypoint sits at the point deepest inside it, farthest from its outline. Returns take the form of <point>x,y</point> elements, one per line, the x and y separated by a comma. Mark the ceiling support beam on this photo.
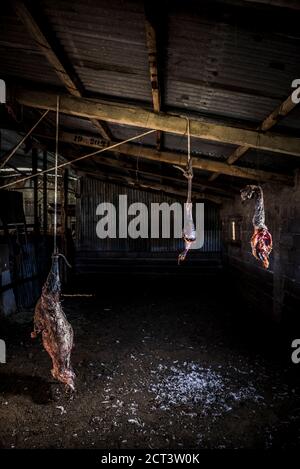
<point>153,58</point>
<point>56,59</point>
<point>281,111</point>
<point>139,117</point>
<point>103,160</point>
<point>178,159</point>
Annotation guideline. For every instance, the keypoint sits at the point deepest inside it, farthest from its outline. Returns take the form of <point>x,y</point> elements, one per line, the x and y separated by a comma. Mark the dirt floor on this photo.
<point>160,364</point>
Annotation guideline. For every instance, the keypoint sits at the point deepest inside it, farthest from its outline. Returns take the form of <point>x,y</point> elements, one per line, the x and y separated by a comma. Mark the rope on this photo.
<point>55,178</point>
<point>189,140</point>
<point>67,163</point>
<point>188,171</point>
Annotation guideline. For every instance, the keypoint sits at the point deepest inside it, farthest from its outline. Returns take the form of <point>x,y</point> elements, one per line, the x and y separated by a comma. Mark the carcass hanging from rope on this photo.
<point>51,322</point>
<point>189,232</point>
<point>261,241</point>
<point>49,317</point>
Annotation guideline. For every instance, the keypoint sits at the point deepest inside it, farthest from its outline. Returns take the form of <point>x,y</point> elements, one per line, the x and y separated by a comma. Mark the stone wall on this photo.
<point>274,292</point>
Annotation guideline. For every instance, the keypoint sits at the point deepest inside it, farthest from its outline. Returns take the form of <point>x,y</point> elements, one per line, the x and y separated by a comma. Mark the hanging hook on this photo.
<point>59,254</point>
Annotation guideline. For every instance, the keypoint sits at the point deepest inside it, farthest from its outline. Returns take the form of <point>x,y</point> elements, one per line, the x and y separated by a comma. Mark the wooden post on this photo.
<point>278,277</point>
<point>45,194</point>
<point>64,220</point>
<point>35,190</point>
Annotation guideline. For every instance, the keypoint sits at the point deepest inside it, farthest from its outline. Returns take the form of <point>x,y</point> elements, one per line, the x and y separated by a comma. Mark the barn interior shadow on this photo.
<point>34,387</point>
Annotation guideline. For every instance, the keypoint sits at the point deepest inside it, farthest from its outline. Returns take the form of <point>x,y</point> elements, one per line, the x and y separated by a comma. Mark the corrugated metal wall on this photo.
<point>24,268</point>
<point>28,287</point>
<point>93,192</point>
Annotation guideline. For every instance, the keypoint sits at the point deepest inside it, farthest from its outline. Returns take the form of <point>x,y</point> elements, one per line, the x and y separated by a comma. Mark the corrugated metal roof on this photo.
<point>123,132</point>
<point>198,147</point>
<point>226,70</point>
<point>269,161</point>
<point>106,44</point>
<point>212,66</point>
<point>19,55</point>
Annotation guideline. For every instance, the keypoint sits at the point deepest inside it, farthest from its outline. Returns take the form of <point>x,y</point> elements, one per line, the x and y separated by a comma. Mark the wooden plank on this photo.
<point>102,129</point>
<point>60,67</point>
<point>291,4</point>
<point>139,151</point>
<point>198,183</point>
<point>151,40</point>
<point>152,57</point>
<point>281,111</point>
<point>205,164</point>
<point>139,117</point>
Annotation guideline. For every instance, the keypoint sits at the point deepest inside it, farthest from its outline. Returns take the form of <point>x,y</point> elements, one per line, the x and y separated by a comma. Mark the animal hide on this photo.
<point>189,231</point>
<point>261,240</point>
<point>57,332</point>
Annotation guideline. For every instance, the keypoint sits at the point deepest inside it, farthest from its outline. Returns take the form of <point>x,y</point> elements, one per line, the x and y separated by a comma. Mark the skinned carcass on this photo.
<point>57,332</point>
<point>189,231</point>
<point>261,240</point>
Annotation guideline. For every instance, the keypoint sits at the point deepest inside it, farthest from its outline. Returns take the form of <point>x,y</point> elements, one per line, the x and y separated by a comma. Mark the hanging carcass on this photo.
<point>57,333</point>
<point>261,241</point>
<point>49,317</point>
<point>189,232</point>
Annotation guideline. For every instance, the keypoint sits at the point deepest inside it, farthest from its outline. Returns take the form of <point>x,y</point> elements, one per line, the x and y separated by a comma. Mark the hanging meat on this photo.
<point>261,241</point>
<point>57,332</point>
<point>189,231</point>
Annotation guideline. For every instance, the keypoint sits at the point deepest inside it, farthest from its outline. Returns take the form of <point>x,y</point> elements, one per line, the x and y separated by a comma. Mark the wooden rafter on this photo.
<point>281,111</point>
<point>152,44</point>
<point>139,117</point>
<point>67,137</point>
<point>63,69</point>
<point>139,151</point>
<point>291,4</point>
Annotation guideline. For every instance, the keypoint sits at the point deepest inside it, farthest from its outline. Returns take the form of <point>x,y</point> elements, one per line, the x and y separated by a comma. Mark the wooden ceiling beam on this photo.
<point>119,164</point>
<point>280,112</point>
<point>147,153</point>
<point>152,47</point>
<point>139,117</point>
